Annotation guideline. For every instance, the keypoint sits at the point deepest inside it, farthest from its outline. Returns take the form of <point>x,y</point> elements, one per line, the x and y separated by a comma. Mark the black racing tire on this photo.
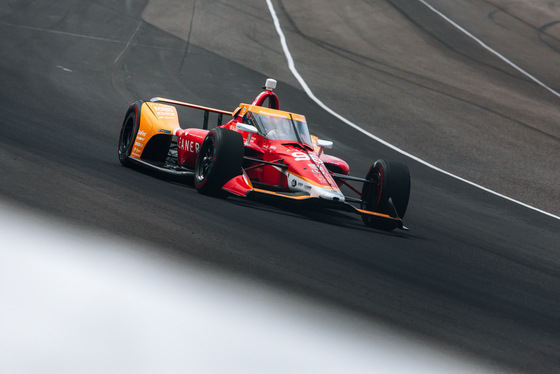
<point>390,180</point>
<point>220,159</point>
<point>129,130</point>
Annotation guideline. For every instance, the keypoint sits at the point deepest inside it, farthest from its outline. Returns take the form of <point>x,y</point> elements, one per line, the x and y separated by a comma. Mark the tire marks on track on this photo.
<point>309,92</point>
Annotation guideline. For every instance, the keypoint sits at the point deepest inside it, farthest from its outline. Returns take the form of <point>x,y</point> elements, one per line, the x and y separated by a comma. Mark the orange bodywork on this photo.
<point>156,119</point>
<point>244,108</point>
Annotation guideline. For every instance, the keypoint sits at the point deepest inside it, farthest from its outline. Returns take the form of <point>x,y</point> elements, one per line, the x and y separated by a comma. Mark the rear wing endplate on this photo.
<point>206,110</point>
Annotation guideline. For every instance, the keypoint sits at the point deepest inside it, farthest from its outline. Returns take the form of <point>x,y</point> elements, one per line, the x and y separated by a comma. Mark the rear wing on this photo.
<point>206,110</point>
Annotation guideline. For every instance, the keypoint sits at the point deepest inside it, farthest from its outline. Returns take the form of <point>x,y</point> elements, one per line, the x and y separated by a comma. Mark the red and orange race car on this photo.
<point>262,151</point>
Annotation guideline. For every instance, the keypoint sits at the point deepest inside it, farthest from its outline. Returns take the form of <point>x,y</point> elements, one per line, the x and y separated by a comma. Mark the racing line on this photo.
<point>312,96</point>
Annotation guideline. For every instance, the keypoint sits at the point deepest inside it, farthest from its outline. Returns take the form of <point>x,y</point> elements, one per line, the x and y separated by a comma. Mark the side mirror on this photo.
<point>249,128</point>
<point>326,144</point>
<point>323,144</point>
<point>245,127</point>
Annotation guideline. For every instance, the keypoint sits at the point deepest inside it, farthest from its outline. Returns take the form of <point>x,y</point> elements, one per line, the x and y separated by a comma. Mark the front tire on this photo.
<point>129,130</point>
<point>389,180</point>
<point>220,159</point>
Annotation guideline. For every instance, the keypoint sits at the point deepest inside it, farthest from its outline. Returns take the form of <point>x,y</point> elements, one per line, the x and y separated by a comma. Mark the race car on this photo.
<point>261,151</point>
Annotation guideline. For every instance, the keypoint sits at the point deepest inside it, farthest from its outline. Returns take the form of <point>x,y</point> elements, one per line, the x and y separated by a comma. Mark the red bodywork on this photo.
<point>304,168</point>
<point>280,157</point>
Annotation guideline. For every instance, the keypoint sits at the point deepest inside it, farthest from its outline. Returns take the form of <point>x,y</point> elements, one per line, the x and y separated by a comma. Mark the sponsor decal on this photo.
<point>272,114</point>
<point>300,156</point>
<point>294,182</point>
<point>316,159</point>
<point>164,111</point>
<point>139,145</point>
<point>141,133</point>
<point>164,131</point>
<point>188,145</point>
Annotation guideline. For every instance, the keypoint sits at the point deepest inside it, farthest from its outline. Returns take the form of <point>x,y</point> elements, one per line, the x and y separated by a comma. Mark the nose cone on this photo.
<point>331,195</point>
<point>322,191</point>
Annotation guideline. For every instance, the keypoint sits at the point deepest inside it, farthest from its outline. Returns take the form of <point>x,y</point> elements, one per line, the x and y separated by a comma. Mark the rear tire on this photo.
<point>390,180</point>
<point>220,159</point>
<point>129,130</point>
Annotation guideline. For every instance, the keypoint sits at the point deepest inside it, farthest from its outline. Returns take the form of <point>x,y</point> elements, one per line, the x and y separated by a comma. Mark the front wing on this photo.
<point>242,186</point>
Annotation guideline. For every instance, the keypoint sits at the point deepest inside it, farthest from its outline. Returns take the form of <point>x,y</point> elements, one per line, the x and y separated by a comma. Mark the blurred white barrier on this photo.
<point>75,302</point>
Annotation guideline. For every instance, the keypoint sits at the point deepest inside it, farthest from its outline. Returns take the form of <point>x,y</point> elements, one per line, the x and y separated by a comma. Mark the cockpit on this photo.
<point>279,126</point>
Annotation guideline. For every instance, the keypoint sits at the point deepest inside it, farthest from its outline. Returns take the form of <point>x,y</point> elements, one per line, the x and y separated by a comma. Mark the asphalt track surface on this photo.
<point>476,273</point>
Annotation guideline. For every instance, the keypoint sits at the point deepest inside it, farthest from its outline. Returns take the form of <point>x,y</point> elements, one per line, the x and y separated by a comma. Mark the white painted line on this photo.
<point>129,41</point>
<point>489,49</point>
<point>63,68</point>
<point>308,91</point>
